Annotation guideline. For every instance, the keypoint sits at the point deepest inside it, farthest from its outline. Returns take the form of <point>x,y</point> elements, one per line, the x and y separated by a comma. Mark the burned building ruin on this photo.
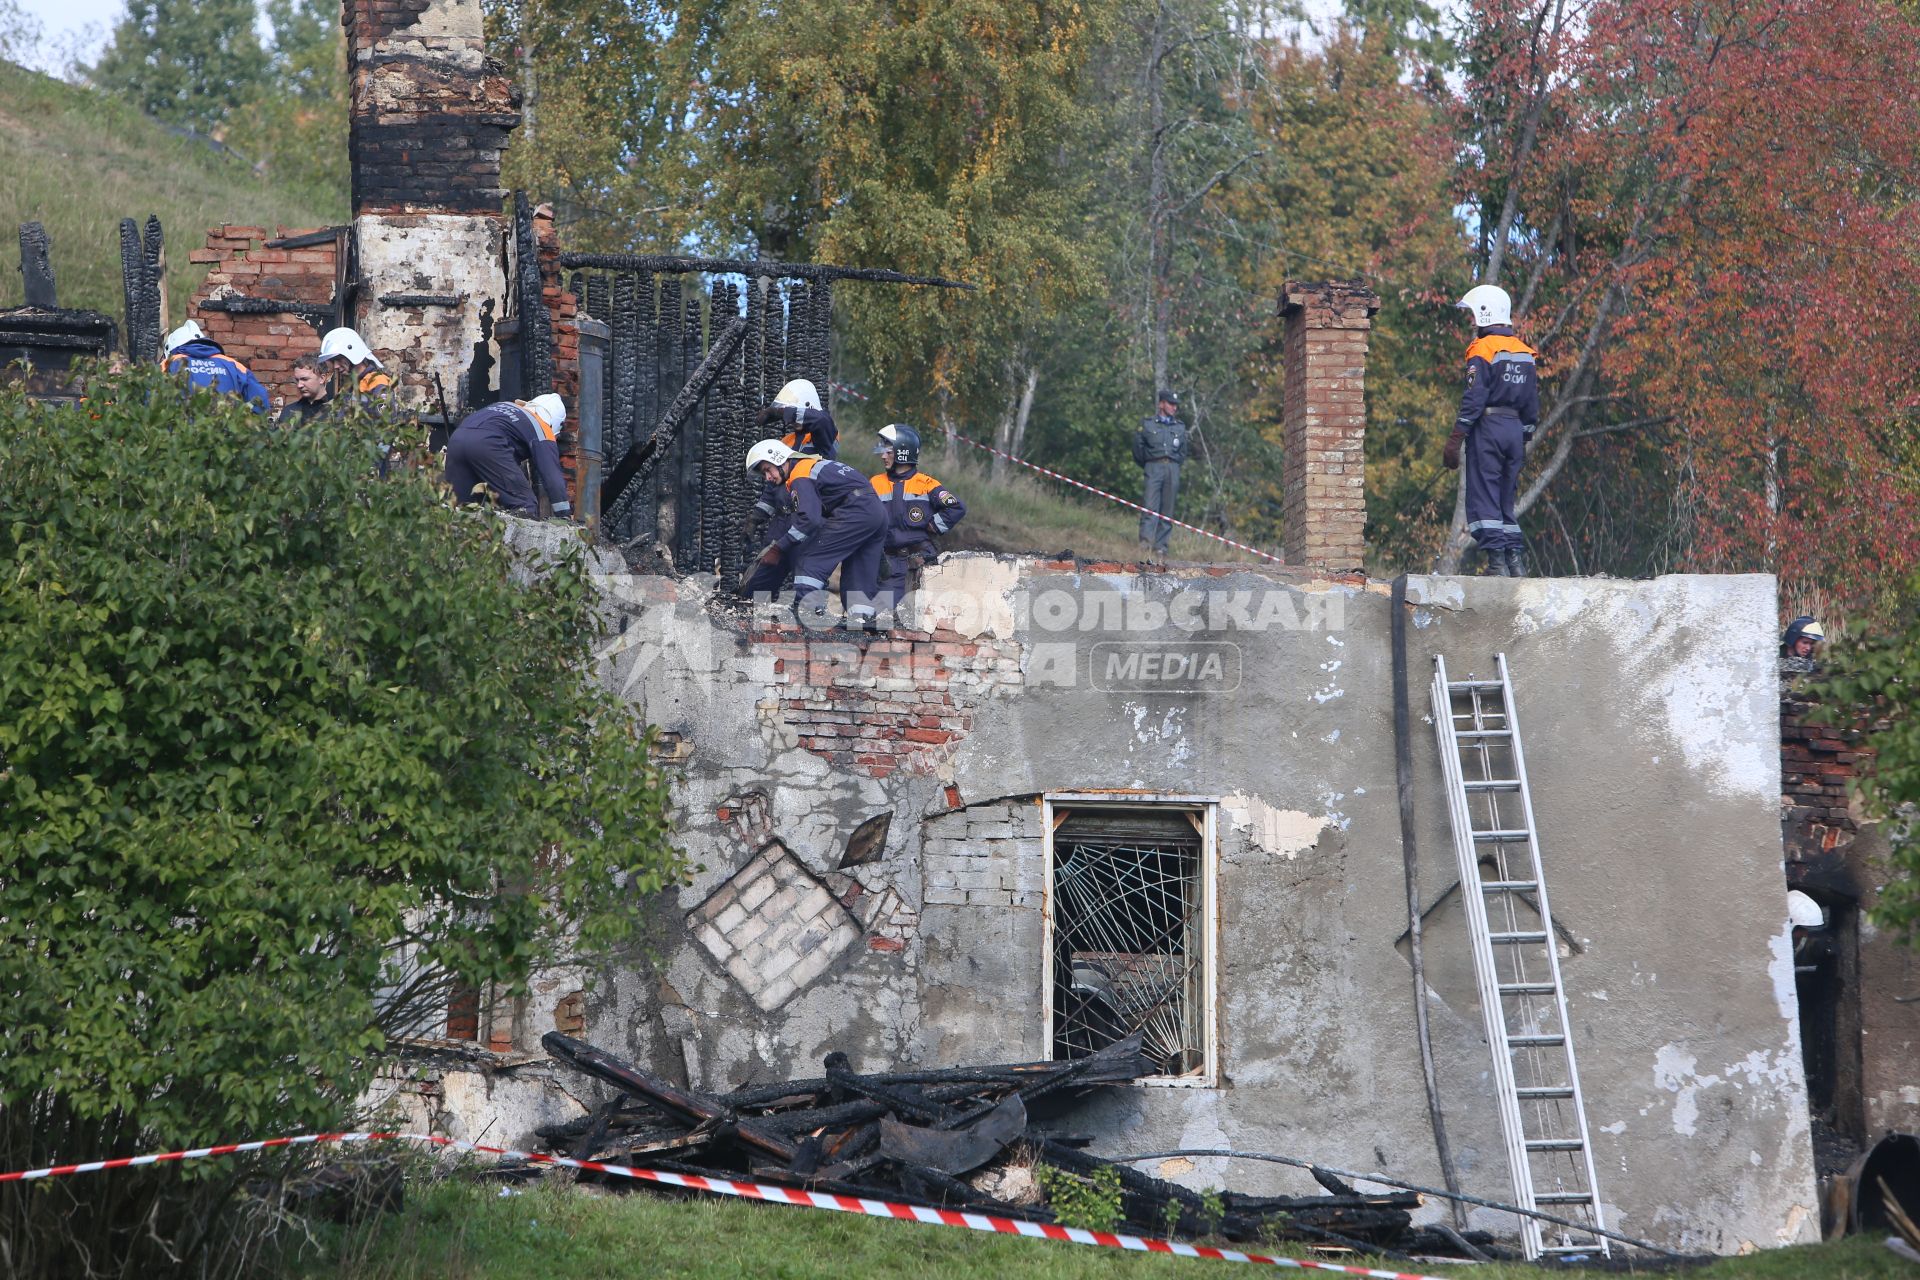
<point>1069,802</point>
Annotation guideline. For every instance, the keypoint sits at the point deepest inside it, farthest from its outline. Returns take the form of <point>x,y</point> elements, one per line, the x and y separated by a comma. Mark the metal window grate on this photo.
<point>1129,936</point>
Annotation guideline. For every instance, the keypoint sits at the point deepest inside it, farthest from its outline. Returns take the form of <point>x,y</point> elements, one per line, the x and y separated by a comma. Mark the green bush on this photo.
<point>1877,673</point>
<point>285,751</point>
<point>1088,1201</point>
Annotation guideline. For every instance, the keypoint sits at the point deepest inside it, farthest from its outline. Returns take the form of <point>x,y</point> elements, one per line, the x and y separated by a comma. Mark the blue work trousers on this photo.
<point>852,540</point>
<point>1495,449</point>
<point>476,457</point>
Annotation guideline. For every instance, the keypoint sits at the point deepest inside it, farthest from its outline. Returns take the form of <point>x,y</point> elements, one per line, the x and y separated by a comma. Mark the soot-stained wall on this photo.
<point>1650,713</point>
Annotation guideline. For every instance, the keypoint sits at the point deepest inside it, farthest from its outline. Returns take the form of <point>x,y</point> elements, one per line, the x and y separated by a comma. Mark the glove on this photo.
<point>769,557</point>
<point>772,413</point>
<point>1450,455</point>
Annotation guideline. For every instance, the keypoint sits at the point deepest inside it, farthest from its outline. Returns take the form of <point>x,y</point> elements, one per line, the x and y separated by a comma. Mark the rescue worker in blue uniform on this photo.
<point>1498,413</point>
<point>837,523</point>
<point>190,351</point>
<point>810,430</point>
<point>491,445</point>
<point>919,508</point>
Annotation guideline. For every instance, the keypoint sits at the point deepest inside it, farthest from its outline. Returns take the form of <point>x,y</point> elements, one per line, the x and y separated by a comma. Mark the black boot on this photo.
<point>1493,563</point>
<point>1516,562</point>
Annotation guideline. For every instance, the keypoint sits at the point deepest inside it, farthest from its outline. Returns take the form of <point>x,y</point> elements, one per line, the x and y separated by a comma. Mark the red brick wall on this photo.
<point>564,309</point>
<point>1324,421</point>
<point>240,263</point>
<point>902,702</point>
<point>1817,761</point>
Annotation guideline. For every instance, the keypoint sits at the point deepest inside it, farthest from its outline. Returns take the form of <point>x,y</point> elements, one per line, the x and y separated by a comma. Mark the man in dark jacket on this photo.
<point>1498,413</point>
<point>919,509</point>
<point>1160,446</point>
<point>314,397</point>
<point>491,445</point>
<point>837,524</point>
<point>192,352</point>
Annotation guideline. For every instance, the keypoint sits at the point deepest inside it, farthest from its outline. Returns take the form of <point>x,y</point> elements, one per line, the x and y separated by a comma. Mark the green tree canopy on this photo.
<point>186,62</point>
<point>285,751</point>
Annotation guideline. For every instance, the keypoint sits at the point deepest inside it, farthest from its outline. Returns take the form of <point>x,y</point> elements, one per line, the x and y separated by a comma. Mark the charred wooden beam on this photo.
<point>644,457</point>
<point>673,264</point>
<point>695,1108</point>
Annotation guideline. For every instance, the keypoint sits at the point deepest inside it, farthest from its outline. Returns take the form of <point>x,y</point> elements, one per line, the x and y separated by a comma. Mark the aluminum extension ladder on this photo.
<point>1516,961</point>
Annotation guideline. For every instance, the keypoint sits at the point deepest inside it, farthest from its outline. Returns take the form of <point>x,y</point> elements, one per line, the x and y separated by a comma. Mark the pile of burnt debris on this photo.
<point>968,1138</point>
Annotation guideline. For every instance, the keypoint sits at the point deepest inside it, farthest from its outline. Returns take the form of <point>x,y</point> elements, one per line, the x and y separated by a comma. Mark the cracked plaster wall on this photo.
<point>1648,710</point>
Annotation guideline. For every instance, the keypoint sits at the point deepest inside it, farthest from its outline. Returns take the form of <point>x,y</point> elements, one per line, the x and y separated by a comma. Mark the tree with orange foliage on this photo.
<point>1708,215</point>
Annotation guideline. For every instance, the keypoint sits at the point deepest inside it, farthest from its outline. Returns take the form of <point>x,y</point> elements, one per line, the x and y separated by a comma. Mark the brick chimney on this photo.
<point>1324,421</point>
<point>429,116</point>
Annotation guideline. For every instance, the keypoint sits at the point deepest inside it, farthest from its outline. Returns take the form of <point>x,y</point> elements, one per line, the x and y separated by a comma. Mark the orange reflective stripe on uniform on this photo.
<point>1495,344</point>
<point>920,483</point>
<point>802,468</point>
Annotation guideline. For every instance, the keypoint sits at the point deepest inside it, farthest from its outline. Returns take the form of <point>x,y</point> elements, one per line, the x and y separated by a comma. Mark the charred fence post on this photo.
<point>686,479</point>
<point>140,287</point>
<point>536,325</point>
<point>36,267</point>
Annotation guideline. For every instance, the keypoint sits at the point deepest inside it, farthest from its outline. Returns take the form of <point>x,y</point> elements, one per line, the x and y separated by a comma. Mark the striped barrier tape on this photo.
<point>743,1190</point>
<point>1112,497</point>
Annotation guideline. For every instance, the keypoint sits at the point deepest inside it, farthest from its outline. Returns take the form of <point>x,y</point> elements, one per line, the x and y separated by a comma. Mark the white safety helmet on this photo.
<point>798,394</point>
<point>1489,304</point>
<point>349,346</point>
<point>188,332</point>
<point>1804,911</point>
<point>551,410</point>
<point>778,452</point>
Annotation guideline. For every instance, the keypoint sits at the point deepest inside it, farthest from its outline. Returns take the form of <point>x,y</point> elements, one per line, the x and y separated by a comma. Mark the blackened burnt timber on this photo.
<point>733,266</point>
<point>955,1136</point>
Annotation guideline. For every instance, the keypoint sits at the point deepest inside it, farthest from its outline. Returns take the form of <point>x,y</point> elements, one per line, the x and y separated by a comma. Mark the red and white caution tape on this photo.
<point>1113,497</point>
<point>744,1190</point>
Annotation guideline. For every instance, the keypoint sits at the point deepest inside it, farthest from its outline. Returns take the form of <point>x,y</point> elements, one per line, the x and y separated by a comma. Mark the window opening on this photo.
<point>1129,933</point>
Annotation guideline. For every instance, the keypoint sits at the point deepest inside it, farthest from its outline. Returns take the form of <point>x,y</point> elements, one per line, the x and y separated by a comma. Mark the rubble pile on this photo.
<point>970,1138</point>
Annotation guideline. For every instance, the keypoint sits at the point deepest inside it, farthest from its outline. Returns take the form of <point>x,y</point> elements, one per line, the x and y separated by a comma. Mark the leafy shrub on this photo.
<point>1876,673</point>
<point>1088,1201</point>
<point>285,751</point>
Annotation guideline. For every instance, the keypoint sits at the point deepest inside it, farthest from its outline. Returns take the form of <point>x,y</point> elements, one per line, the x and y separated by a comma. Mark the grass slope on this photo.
<point>79,160</point>
<point>1028,513</point>
<point>459,1231</point>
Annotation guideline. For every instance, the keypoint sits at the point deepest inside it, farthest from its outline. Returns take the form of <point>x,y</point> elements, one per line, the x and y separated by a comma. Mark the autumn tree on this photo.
<point>1703,230</point>
<point>1358,188</point>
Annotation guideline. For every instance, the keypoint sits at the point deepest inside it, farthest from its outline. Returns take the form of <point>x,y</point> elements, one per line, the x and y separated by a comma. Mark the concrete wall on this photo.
<point>1650,718</point>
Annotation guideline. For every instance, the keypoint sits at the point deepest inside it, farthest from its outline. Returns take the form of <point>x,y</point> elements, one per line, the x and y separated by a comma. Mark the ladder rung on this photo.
<point>1571,1249</point>
<point>1554,1144</point>
<point>1509,886</point>
<point>1464,686</point>
<point>1518,938</point>
<point>1483,733</point>
<point>1494,784</point>
<point>1507,836</point>
<point>1562,1197</point>
<point>1544,1091</point>
<point>1526,988</point>
<point>1535,1040</point>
